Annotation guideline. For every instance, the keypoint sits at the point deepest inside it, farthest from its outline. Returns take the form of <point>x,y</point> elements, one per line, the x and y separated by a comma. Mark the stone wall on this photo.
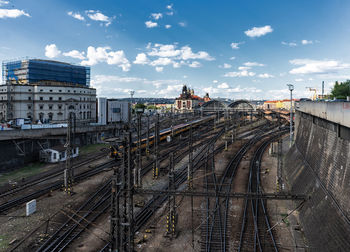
<point>318,165</point>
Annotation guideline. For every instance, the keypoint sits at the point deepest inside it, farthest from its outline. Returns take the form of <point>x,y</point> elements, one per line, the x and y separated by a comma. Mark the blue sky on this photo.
<point>232,49</point>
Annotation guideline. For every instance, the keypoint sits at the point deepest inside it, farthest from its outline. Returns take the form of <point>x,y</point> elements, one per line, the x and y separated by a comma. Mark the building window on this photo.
<point>60,90</point>
<point>60,98</point>
<point>41,116</point>
<point>29,98</point>
<point>50,90</point>
<point>59,106</point>
<point>29,90</point>
<point>50,106</point>
<point>29,106</point>
<point>50,98</point>
<point>41,90</point>
<point>74,91</point>
<point>41,98</point>
<point>50,116</point>
<point>41,106</point>
<point>68,91</point>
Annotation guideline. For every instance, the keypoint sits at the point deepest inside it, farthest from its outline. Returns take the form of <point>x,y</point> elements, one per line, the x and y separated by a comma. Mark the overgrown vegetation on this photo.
<point>24,172</point>
<point>4,242</point>
<point>341,90</point>
<point>92,148</point>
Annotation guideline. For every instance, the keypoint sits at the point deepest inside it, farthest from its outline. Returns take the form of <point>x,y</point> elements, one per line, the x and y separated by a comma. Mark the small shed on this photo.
<point>57,154</point>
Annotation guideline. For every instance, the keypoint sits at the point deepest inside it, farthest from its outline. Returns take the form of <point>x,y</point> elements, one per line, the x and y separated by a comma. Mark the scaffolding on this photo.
<point>31,71</point>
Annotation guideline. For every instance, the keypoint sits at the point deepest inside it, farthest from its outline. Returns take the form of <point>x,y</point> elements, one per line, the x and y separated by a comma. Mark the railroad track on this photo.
<point>53,186</point>
<point>77,222</point>
<point>89,212</point>
<point>44,177</point>
<point>11,203</point>
<point>140,219</point>
<point>216,235</point>
<point>255,234</point>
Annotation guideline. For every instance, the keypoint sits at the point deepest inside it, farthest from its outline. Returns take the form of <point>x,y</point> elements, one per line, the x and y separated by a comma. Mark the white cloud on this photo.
<point>290,44</point>
<point>195,64</point>
<point>232,58</point>
<point>170,6</point>
<point>118,58</point>
<point>308,66</point>
<point>150,24</point>
<point>253,64</point>
<point>215,81</point>
<point>75,54</point>
<point>3,2</point>
<point>168,26</point>
<point>265,76</point>
<point>164,51</point>
<point>117,86</point>
<point>141,59</point>
<point>241,68</point>
<point>156,16</point>
<point>99,16</point>
<point>100,79</point>
<point>170,54</point>
<point>104,54</point>
<point>161,62</point>
<point>223,85</point>
<point>299,80</point>
<point>76,15</point>
<point>51,51</point>
<point>258,31</point>
<point>225,66</point>
<point>186,53</point>
<point>235,45</point>
<point>243,73</point>
<point>159,69</point>
<point>12,13</point>
<point>306,42</point>
<point>170,13</point>
<point>182,24</point>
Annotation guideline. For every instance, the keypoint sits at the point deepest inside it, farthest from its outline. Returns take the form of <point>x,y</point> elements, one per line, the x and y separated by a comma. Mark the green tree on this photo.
<point>341,90</point>
<point>140,105</point>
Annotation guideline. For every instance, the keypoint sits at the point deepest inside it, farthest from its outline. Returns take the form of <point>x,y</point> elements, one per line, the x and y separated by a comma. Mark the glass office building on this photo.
<point>31,71</point>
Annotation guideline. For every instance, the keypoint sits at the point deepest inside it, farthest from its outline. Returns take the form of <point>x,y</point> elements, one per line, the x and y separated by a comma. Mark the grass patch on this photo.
<point>24,172</point>
<point>285,219</point>
<point>4,242</point>
<point>92,148</point>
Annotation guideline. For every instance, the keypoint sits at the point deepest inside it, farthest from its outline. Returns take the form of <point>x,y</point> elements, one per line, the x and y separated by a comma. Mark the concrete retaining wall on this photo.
<point>319,165</point>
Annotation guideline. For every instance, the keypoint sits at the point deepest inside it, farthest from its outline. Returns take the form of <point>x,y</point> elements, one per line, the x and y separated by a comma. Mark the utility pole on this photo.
<point>172,216</point>
<point>126,221</point>
<point>279,159</point>
<point>68,171</point>
<point>291,88</point>
<point>147,141</point>
<point>139,112</point>
<point>156,150</point>
<point>190,179</point>
<point>115,215</point>
<point>322,89</point>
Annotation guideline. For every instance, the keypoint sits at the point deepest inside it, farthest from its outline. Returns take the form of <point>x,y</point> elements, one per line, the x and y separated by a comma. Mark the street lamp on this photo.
<point>291,88</point>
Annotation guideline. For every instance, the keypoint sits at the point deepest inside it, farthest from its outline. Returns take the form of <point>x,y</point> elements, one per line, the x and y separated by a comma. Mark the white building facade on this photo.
<point>47,102</point>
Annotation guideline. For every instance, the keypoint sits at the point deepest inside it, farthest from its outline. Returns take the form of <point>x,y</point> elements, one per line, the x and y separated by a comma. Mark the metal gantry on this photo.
<point>68,171</point>
<point>171,220</point>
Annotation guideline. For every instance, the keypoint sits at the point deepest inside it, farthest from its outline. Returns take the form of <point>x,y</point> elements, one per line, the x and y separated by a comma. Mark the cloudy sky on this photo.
<point>235,49</point>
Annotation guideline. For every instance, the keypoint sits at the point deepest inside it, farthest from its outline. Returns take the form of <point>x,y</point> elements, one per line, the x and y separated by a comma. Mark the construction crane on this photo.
<point>311,89</point>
